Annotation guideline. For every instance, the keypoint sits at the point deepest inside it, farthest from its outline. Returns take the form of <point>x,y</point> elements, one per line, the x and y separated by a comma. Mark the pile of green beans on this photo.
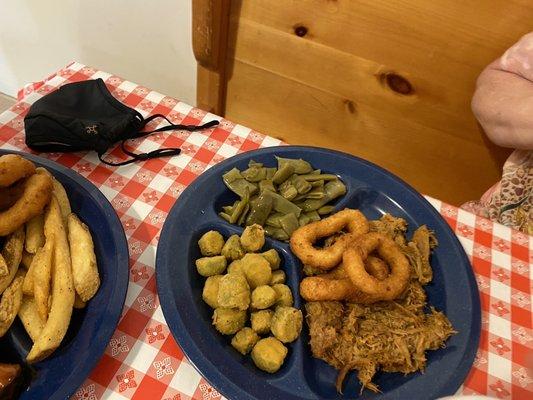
<point>280,199</point>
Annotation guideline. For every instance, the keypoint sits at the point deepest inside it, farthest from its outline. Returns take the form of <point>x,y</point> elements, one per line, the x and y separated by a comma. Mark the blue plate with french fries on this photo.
<point>96,294</point>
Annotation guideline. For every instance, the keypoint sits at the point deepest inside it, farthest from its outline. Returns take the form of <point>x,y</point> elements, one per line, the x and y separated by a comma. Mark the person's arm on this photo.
<point>503,100</point>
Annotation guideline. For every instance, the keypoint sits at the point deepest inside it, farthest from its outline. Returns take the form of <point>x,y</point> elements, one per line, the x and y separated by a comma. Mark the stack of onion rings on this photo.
<point>354,275</point>
<point>24,193</point>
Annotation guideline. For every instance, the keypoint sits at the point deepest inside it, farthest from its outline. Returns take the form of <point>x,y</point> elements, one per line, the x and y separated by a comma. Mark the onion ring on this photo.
<point>9,195</point>
<point>327,258</point>
<point>376,267</point>
<point>336,286</point>
<point>36,195</point>
<point>322,288</point>
<point>14,167</point>
<point>390,287</point>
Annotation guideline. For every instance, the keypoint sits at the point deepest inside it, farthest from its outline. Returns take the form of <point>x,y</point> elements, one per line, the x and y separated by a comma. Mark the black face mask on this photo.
<point>86,116</point>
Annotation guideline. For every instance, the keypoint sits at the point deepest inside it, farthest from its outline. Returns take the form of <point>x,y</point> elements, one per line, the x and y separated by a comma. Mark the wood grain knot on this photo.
<point>300,30</point>
<point>397,83</point>
<point>350,105</point>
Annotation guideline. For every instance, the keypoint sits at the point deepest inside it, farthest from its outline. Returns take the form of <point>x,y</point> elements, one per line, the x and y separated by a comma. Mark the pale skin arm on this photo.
<point>503,100</point>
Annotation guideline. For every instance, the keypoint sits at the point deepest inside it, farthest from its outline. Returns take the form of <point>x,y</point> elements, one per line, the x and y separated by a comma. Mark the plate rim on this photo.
<point>176,326</point>
<point>76,377</point>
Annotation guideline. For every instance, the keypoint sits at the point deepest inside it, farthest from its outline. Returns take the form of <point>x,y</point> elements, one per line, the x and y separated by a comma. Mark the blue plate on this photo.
<point>91,328</point>
<point>372,190</point>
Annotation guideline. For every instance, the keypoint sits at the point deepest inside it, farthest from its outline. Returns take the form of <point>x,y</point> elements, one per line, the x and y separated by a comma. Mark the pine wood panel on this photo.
<point>423,156</point>
<point>387,81</point>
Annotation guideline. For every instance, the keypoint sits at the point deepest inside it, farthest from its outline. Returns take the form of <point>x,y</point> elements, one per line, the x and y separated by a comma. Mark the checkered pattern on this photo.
<point>142,360</point>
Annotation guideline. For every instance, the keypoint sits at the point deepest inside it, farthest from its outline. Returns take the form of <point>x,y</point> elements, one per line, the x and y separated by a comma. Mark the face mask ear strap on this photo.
<point>171,126</point>
<point>166,152</point>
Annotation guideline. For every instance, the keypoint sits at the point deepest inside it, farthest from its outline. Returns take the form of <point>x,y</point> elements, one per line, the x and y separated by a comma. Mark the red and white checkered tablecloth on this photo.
<point>142,361</point>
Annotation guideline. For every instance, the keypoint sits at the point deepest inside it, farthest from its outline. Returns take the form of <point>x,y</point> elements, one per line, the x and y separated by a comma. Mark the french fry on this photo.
<point>29,316</point>
<point>60,193</point>
<point>62,199</point>
<point>4,270</point>
<point>41,271</point>
<point>62,287</point>
<point>78,302</point>
<point>27,258</point>
<point>84,267</point>
<point>12,253</point>
<point>27,286</point>
<point>34,234</point>
<point>10,303</point>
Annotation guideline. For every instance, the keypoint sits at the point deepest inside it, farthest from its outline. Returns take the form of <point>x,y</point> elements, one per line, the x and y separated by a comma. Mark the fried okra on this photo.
<point>268,354</point>
<point>245,340</point>
<point>211,243</point>
<point>229,320</point>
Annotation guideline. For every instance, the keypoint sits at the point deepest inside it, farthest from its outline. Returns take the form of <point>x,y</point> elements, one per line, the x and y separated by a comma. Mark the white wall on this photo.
<point>147,42</point>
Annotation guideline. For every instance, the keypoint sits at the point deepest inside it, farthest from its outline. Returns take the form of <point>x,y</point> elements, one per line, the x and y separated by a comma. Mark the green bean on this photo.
<point>289,192</point>
<point>225,216</point>
<point>284,206</point>
<point>319,183</point>
<point>266,184</point>
<point>253,163</point>
<point>299,198</point>
<point>303,220</point>
<point>316,193</point>
<point>312,215</point>
<point>270,172</point>
<point>301,185</point>
<point>283,173</point>
<point>300,166</point>
<point>316,172</point>
<point>324,210</point>
<point>227,209</point>
<point>318,177</point>
<point>276,233</point>
<point>243,215</point>
<point>237,184</point>
<point>232,175</point>
<point>289,223</point>
<point>254,174</point>
<point>240,207</point>
<point>260,209</point>
<point>273,220</point>
<point>333,189</point>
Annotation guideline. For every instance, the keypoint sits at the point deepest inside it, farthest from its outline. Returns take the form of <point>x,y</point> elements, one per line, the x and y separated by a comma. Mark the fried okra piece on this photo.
<point>235,267</point>
<point>263,297</point>
<point>232,249</point>
<point>209,266</point>
<point>273,258</point>
<point>245,340</point>
<point>277,277</point>
<point>233,292</point>
<point>210,291</point>
<point>256,269</point>
<point>253,238</point>
<point>286,324</point>
<point>229,320</point>
<point>269,354</point>
<point>284,295</point>
<point>211,244</point>
<point>260,321</point>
